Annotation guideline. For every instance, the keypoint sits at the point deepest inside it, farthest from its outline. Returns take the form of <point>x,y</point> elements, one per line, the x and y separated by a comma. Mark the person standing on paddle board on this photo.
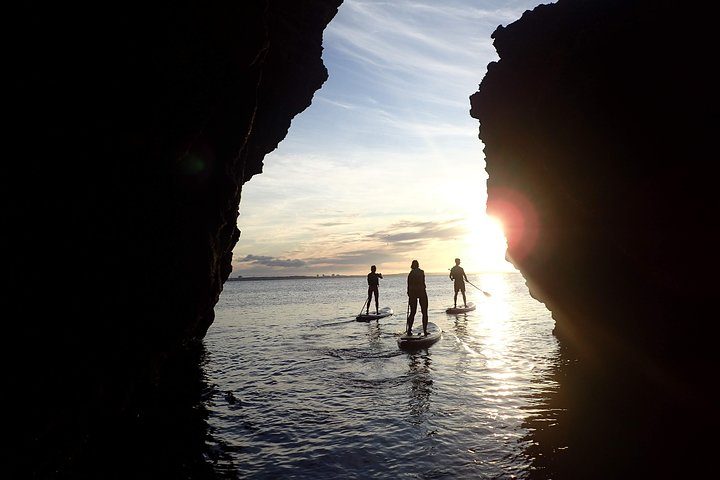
<point>457,273</point>
<point>373,284</point>
<point>416,291</point>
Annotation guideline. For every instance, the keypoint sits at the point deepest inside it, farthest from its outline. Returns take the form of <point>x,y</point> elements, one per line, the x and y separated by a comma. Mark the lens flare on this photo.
<point>519,217</point>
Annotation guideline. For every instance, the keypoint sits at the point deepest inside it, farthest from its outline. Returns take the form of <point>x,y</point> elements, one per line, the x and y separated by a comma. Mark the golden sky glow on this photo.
<point>385,166</point>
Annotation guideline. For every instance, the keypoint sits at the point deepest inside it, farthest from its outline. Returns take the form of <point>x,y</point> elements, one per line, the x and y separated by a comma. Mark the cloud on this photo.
<point>415,232</point>
<point>496,16</point>
<point>372,49</point>
<point>407,37</point>
<point>356,257</point>
<point>272,261</point>
<point>335,103</point>
<point>333,224</point>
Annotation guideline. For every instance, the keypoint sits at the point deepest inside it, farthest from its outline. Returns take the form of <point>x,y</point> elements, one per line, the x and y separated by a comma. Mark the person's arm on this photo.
<point>380,275</point>
<point>451,275</point>
<point>408,285</point>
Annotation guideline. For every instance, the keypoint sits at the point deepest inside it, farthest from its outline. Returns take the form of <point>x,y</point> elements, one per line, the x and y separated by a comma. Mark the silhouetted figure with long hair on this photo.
<point>416,291</point>
<point>457,273</point>
<point>373,284</point>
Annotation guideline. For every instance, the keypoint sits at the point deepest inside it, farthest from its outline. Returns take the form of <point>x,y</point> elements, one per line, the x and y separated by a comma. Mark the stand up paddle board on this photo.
<point>470,307</point>
<point>420,341</point>
<point>382,313</point>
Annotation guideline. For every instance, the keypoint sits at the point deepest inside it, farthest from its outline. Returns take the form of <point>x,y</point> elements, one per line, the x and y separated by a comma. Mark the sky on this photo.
<point>385,166</point>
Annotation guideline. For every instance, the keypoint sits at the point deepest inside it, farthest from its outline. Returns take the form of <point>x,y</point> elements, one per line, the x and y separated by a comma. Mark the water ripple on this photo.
<point>311,393</point>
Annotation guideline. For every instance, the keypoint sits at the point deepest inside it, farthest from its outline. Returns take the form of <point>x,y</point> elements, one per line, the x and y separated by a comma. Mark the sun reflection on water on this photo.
<point>495,313</point>
<point>499,332</point>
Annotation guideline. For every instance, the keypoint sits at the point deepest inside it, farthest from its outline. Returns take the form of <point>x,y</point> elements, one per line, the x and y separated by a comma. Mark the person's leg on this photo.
<point>377,301</point>
<point>455,299</point>
<point>424,309</point>
<point>464,299</point>
<point>411,317</point>
<point>367,310</point>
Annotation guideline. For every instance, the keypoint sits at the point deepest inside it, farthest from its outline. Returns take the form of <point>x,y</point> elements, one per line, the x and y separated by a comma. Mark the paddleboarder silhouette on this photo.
<point>373,288</point>
<point>457,273</point>
<point>416,291</point>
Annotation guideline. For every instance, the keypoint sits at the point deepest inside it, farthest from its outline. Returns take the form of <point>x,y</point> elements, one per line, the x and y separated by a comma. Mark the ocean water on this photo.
<point>302,390</point>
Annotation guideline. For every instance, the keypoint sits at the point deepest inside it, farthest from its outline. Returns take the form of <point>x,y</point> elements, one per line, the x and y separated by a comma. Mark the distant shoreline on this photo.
<point>330,277</point>
<point>292,277</point>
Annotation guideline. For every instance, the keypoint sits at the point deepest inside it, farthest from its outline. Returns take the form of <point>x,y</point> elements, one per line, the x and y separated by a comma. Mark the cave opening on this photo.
<point>384,167</point>
<point>141,353</point>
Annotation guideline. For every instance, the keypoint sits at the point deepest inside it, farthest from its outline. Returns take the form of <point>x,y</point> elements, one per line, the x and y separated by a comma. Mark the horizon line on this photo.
<point>335,275</point>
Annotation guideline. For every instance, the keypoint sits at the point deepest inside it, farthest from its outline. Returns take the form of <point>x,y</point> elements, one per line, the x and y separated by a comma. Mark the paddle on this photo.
<point>407,318</point>
<point>363,307</point>
<point>487,294</point>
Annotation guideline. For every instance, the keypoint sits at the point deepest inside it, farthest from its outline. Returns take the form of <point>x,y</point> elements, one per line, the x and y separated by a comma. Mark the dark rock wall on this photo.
<point>133,127</point>
<point>597,123</point>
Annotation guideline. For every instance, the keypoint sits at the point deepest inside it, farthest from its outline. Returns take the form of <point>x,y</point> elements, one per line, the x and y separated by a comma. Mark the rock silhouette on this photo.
<point>597,124</point>
<point>134,127</point>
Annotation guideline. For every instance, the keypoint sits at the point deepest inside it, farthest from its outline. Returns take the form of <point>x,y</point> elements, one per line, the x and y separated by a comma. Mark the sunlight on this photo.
<point>496,334</point>
<point>486,245</point>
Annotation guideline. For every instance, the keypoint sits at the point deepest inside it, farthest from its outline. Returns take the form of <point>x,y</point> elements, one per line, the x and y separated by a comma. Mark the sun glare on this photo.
<point>486,244</point>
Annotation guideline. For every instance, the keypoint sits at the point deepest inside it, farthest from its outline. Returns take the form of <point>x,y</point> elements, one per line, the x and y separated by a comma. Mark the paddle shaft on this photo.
<point>363,307</point>
<point>487,294</point>
<point>483,291</point>
<point>407,317</point>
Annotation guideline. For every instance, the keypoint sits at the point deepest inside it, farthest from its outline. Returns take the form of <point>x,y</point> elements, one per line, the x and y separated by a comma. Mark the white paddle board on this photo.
<point>470,307</point>
<point>382,313</point>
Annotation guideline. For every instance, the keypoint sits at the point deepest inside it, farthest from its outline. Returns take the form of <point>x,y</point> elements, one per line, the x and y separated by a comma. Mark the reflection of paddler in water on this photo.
<point>373,284</point>
<point>461,325</point>
<point>457,273</point>
<point>416,291</point>
<point>420,384</point>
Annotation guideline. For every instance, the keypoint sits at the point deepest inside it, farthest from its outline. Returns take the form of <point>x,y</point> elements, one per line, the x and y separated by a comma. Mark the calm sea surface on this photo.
<point>302,390</point>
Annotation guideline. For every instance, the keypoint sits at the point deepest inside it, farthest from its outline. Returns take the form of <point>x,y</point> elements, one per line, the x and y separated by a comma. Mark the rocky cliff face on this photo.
<point>135,127</point>
<point>597,122</point>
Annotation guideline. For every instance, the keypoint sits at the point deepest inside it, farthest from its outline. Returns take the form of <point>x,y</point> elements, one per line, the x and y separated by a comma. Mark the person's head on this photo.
<point>457,261</point>
<point>373,268</point>
<point>415,264</point>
